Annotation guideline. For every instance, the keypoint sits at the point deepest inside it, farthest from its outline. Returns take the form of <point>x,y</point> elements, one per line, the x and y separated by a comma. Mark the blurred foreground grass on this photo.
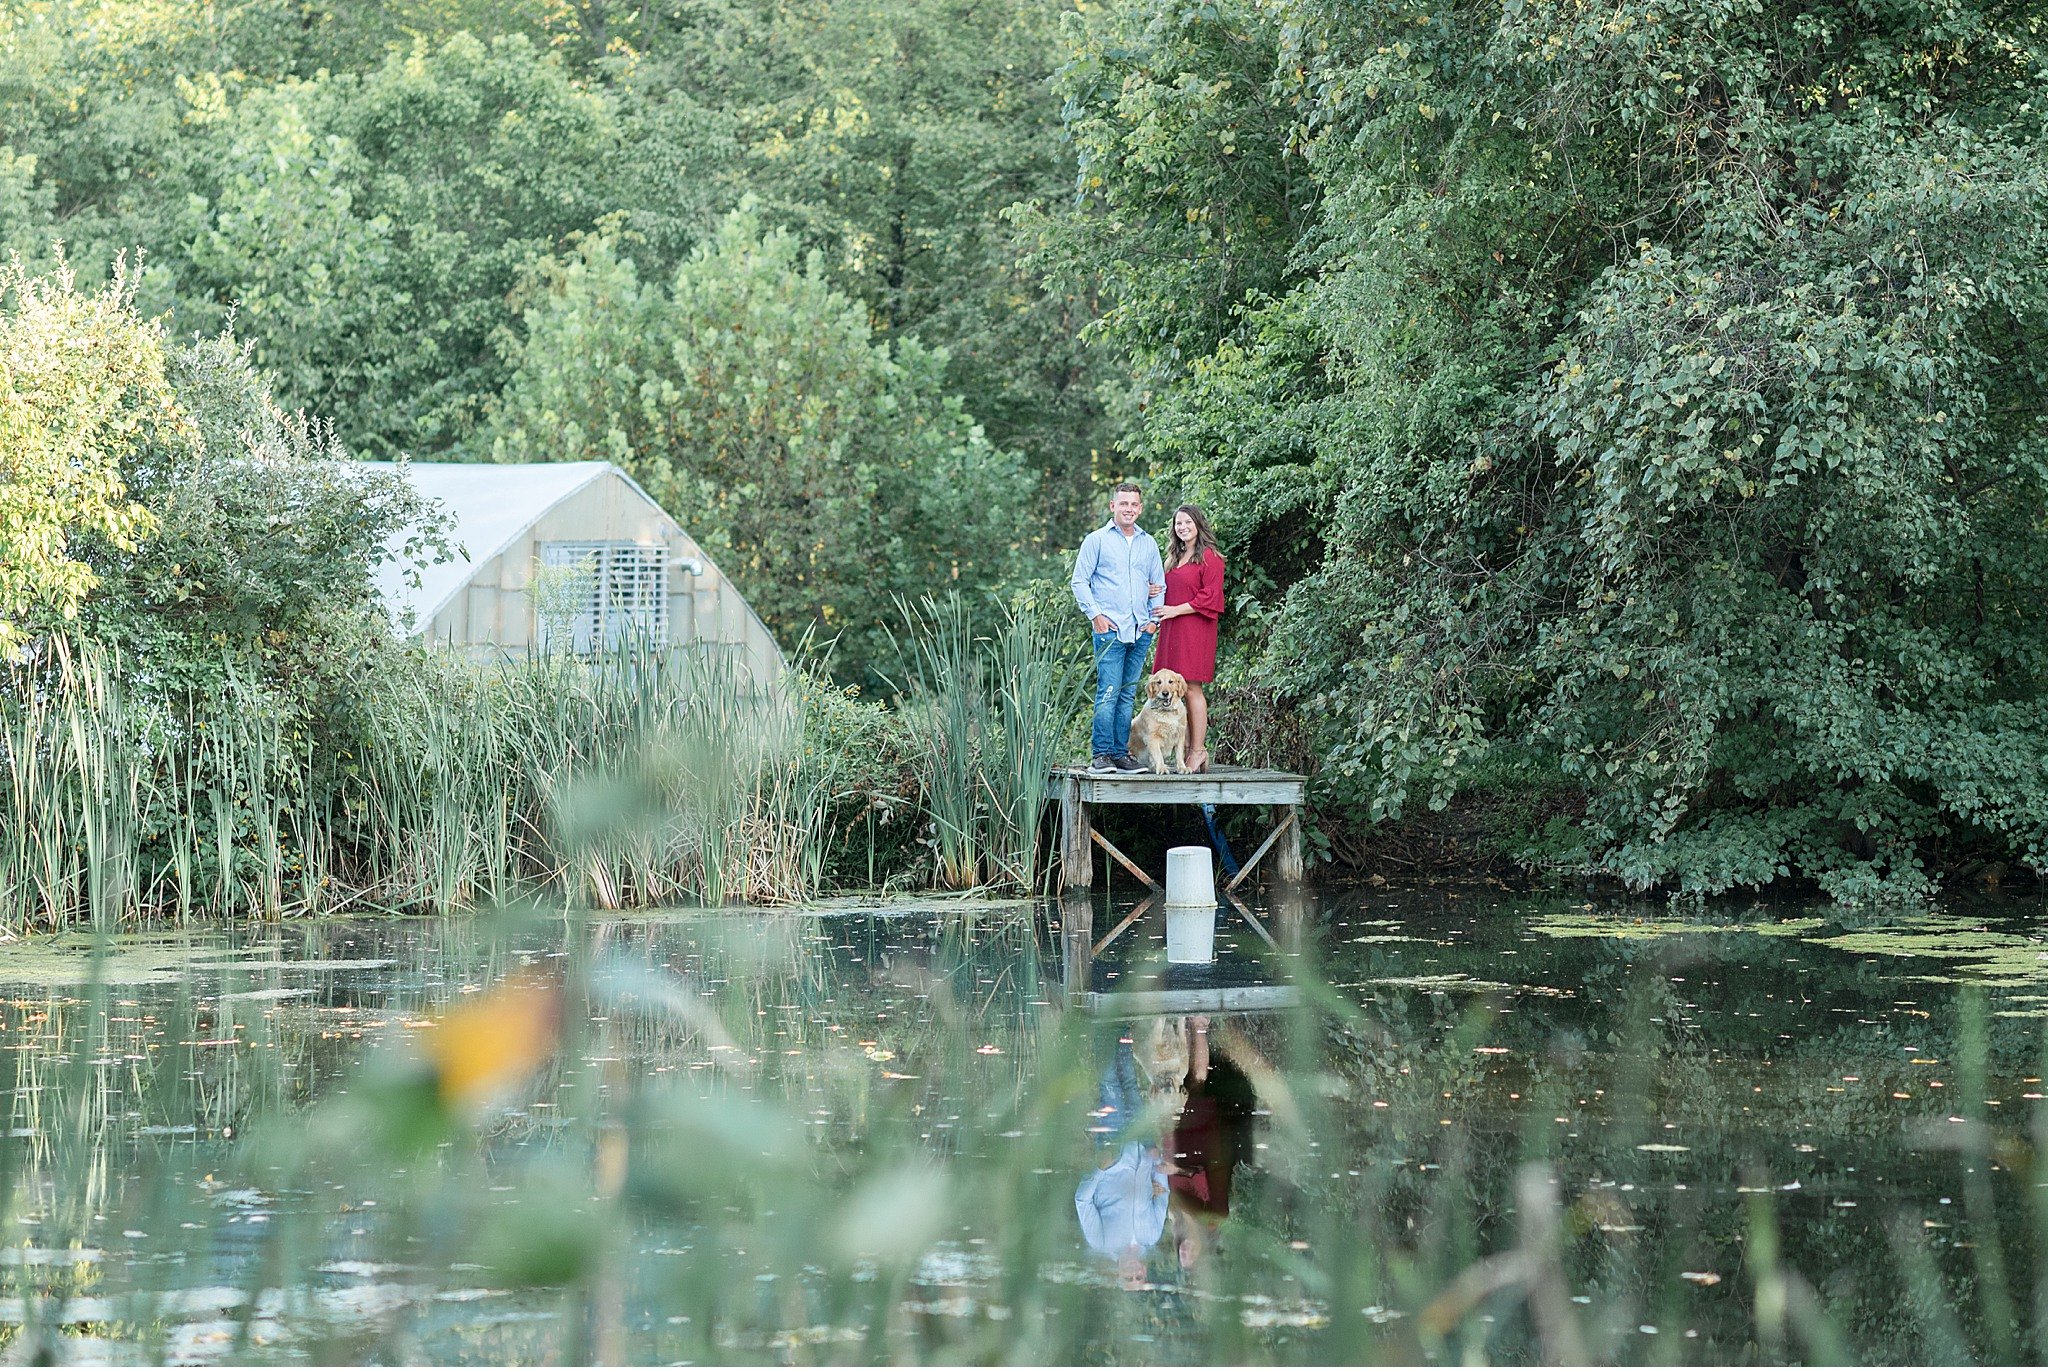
<point>846,1151</point>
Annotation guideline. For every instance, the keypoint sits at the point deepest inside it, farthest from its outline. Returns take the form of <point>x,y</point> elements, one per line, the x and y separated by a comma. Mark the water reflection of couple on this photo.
<point>1173,1119</point>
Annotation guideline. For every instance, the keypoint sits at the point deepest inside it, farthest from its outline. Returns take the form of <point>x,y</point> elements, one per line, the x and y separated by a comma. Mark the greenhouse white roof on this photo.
<point>491,505</point>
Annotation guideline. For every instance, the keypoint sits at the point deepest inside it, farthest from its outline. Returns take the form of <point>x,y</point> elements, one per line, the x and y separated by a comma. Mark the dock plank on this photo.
<point>1222,999</point>
<point>1224,785</point>
<point>1078,790</point>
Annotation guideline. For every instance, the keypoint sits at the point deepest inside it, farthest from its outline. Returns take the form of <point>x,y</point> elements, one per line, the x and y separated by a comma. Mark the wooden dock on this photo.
<point>1079,791</point>
<point>1234,983</point>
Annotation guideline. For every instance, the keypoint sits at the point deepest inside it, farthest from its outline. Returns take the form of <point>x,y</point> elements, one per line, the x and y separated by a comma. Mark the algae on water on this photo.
<point>1583,924</point>
<point>1976,952</point>
<point>1988,957</point>
<point>132,959</point>
<point>151,958</point>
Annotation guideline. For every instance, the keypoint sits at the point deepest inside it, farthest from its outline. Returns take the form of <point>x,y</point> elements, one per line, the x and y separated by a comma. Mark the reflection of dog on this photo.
<point>1162,725</point>
<point>1159,1046</point>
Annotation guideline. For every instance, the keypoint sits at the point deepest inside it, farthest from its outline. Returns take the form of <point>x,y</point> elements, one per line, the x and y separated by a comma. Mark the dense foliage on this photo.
<point>372,195</point>
<point>1629,417</point>
<point>1650,395</point>
<point>82,389</point>
<point>160,502</point>
<point>830,472</point>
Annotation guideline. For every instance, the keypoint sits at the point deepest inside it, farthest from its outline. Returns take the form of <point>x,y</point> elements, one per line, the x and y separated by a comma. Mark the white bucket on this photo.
<point>1190,878</point>
<point>1190,906</point>
<point>1191,936</point>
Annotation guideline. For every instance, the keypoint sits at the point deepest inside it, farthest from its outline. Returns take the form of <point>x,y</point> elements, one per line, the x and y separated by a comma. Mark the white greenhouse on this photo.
<point>569,554</point>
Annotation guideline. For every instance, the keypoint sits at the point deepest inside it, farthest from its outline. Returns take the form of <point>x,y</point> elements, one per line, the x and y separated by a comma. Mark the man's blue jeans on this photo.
<point>1117,668</point>
<point>1119,1098</point>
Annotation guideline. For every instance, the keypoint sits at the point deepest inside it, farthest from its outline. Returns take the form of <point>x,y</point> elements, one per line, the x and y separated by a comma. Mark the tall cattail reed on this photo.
<point>634,778</point>
<point>945,693</point>
<point>988,710</point>
<point>1040,683</point>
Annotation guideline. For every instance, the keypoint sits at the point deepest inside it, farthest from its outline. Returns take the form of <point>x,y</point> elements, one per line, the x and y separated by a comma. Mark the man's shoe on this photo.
<point>1103,764</point>
<point>1124,761</point>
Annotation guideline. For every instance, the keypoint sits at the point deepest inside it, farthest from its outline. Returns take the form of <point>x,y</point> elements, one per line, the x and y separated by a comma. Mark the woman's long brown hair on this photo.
<point>1179,553</point>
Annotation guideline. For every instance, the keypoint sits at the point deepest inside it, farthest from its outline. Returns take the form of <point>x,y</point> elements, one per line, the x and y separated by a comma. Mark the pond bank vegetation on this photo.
<point>633,779</point>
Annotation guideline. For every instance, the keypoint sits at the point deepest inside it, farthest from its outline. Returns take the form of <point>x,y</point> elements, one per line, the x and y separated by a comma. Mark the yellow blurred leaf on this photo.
<point>486,1046</point>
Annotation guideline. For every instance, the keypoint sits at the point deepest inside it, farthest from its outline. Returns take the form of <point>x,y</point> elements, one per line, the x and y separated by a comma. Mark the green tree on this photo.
<point>1649,394</point>
<point>892,136</point>
<point>82,392</point>
<point>825,470</point>
<point>25,205</point>
<point>266,538</point>
<point>98,145</point>
<point>312,281</point>
<point>396,210</point>
<point>156,498</point>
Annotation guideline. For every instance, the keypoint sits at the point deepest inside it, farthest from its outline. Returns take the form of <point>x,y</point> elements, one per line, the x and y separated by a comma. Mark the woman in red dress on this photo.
<point>1187,622</point>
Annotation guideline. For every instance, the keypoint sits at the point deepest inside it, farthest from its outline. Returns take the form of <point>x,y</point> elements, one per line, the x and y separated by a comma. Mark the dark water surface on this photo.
<point>1469,1127</point>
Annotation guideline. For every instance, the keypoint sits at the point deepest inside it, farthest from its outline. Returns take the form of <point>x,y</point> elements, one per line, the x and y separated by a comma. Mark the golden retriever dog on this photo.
<point>1161,726</point>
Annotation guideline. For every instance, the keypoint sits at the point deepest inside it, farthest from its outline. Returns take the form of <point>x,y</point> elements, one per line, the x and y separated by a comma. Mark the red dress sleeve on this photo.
<point>1208,596</point>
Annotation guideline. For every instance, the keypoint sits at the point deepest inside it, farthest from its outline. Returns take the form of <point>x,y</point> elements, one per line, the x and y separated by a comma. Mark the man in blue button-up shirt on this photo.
<point>1119,582</point>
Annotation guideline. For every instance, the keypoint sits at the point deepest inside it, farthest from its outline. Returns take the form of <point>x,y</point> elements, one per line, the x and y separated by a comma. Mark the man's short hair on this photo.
<point>1128,487</point>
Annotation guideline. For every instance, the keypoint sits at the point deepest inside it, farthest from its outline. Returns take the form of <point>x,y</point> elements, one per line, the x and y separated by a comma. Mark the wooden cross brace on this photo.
<point>1080,791</point>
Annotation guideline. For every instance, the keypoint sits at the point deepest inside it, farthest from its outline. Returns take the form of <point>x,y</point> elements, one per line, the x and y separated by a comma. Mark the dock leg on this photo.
<point>1287,861</point>
<point>1289,909</point>
<point>1077,852</point>
<point>1077,944</point>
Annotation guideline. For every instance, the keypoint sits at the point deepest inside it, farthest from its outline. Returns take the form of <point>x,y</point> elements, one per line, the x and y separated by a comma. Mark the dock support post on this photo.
<point>1077,852</point>
<point>1077,943</point>
<point>1289,910</point>
<point>1287,861</point>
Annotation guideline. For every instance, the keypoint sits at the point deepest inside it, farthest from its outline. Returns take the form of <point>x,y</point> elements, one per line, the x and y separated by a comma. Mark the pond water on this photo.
<point>1464,1126</point>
